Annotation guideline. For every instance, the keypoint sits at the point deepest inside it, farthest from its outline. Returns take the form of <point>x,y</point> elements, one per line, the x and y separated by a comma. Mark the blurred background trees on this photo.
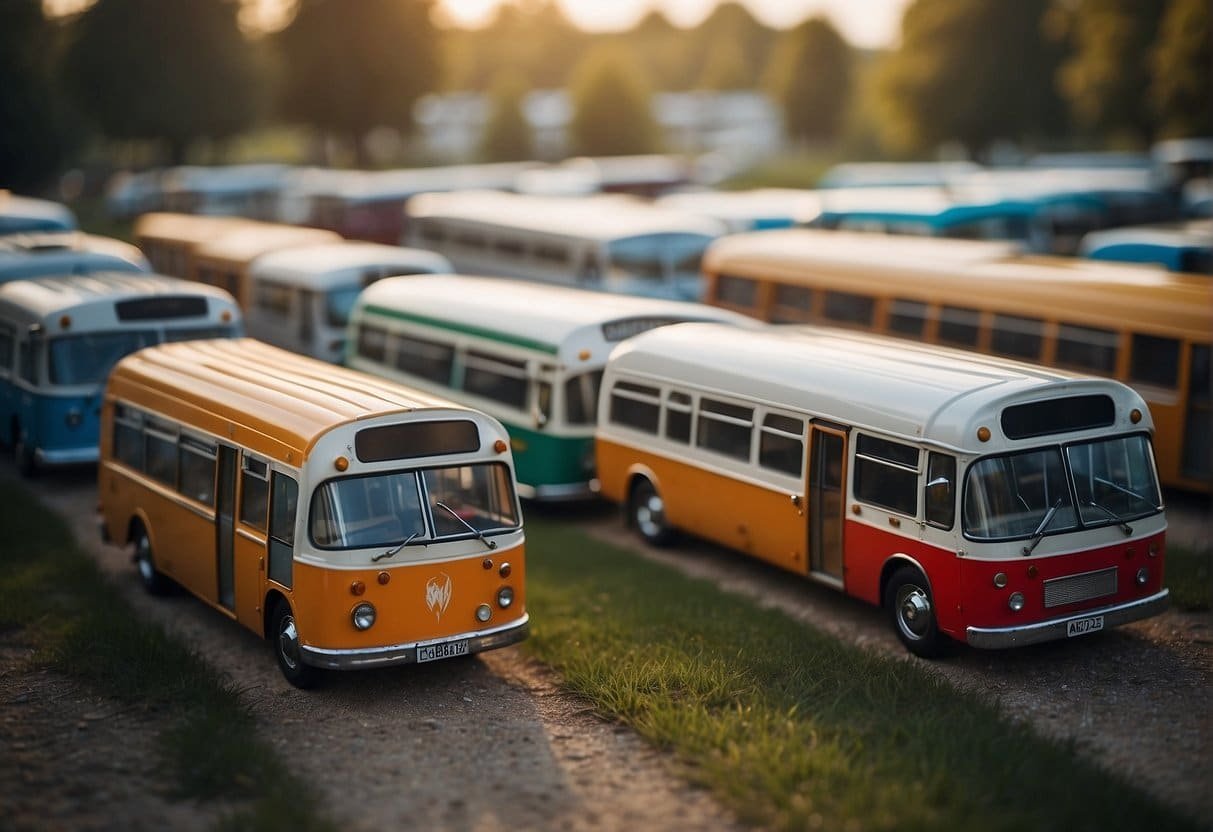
<point>182,76</point>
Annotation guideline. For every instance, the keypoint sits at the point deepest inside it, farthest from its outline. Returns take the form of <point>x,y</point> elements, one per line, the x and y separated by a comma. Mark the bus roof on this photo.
<point>27,213</point>
<point>243,244</point>
<point>598,217</point>
<point>191,229</point>
<point>748,210</point>
<point>914,390</point>
<point>43,296</point>
<point>286,399</point>
<point>1195,234</point>
<point>933,205</point>
<point>66,252</point>
<point>974,273</point>
<point>309,264</point>
<point>537,315</point>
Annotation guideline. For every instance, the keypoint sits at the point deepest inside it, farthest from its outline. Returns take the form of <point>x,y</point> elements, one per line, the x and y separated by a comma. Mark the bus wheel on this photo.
<point>909,601</point>
<point>287,649</point>
<point>153,581</point>
<point>647,513</point>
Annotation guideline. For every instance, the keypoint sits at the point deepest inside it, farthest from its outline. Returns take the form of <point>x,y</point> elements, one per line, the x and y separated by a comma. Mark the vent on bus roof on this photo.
<point>1064,415</point>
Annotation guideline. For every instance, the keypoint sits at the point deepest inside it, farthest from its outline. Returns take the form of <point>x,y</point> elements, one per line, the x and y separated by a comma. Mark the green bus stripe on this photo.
<point>480,332</point>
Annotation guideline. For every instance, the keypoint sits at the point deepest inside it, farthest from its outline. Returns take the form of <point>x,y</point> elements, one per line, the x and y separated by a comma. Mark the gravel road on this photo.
<point>490,742</point>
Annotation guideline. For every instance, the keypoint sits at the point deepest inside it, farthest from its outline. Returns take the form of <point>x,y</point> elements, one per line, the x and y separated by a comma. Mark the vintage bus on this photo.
<point>226,260</point>
<point>301,296</point>
<point>613,243</point>
<point>59,337</point>
<point>985,501</point>
<point>24,256</point>
<point>350,521</point>
<point>759,209</point>
<point>1180,247</point>
<point>169,240</point>
<point>1144,326</point>
<point>21,214</point>
<point>529,354</point>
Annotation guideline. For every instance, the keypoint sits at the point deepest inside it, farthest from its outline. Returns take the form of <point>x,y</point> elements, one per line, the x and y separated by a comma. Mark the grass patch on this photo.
<point>790,727</point>
<point>81,627</point>
<point>1189,576</point>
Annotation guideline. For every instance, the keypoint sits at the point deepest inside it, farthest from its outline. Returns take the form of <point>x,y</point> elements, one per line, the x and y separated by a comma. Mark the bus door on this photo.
<point>225,526</point>
<point>827,501</point>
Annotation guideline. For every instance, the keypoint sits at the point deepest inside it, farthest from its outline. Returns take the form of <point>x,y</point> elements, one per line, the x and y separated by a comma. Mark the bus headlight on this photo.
<point>363,616</point>
<point>483,613</point>
<point>1000,580</point>
<point>1143,576</point>
<point>505,597</point>
<point>1015,602</point>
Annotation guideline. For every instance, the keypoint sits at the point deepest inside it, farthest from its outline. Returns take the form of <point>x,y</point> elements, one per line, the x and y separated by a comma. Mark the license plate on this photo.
<point>1082,626</point>
<point>446,650</point>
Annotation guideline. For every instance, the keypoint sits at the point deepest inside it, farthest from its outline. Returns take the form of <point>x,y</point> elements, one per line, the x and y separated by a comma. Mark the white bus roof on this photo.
<point>66,252</point>
<point>244,243</point>
<point>743,210</point>
<point>43,296</point>
<point>557,319</point>
<point>27,213</point>
<point>597,217</point>
<point>1196,233</point>
<point>310,265</point>
<point>913,390</point>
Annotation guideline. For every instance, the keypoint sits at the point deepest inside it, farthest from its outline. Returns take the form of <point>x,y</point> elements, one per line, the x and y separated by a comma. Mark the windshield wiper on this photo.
<point>1128,530</point>
<point>492,544</point>
<point>1039,534</point>
<point>395,549</point>
<point>1122,490</point>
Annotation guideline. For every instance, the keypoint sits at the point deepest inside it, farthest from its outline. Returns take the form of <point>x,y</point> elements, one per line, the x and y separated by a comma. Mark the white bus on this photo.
<point>300,298</point>
<point>988,501</point>
<point>528,354</point>
<point>59,337</point>
<point>612,243</point>
<point>66,252</point>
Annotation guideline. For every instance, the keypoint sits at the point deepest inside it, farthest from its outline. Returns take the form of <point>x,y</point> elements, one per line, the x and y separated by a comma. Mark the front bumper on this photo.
<point>354,659</point>
<point>1113,616</point>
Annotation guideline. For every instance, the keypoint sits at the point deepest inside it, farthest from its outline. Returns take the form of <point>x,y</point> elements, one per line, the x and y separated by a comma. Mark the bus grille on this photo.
<point>1074,588</point>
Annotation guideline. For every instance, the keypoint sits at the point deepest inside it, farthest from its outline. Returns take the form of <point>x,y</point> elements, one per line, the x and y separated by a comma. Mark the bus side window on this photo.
<point>283,503</point>
<point>254,493</point>
<point>940,492</point>
<point>26,364</point>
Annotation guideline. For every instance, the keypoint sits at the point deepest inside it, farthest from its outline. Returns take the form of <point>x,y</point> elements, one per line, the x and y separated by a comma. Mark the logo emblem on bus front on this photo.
<point>438,594</point>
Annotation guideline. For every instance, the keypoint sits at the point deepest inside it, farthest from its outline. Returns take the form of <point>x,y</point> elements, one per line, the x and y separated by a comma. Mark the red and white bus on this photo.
<point>978,499</point>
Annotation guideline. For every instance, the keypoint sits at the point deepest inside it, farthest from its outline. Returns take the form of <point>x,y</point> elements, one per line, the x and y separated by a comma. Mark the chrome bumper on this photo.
<point>1114,616</point>
<point>478,642</point>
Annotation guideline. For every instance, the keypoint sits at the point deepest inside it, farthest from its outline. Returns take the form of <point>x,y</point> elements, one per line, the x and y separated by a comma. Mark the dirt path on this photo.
<point>491,743</point>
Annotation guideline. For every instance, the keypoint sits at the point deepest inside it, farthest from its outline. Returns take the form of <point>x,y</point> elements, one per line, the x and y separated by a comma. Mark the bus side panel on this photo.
<point>543,459</point>
<point>759,520</point>
<point>419,601</point>
<point>249,576</point>
<point>868,549</point>
<point>68,426</point>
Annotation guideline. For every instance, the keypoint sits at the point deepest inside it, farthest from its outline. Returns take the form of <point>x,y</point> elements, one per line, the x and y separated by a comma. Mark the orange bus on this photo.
<point>350,521</point>
<point>1142,325</point>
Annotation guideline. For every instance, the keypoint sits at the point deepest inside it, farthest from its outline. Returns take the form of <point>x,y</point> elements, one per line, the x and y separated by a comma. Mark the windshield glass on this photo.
<point>389,508</point>
<point>1011,496</point>
<point>658,256</point>
<point>581,398</point>
<point>338,303</point>
<point>87,359</point>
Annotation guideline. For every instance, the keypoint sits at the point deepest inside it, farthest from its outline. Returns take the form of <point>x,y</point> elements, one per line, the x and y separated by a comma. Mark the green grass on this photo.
<point>788,726</point>
<point>81,627</point>
<point>1189,576</point>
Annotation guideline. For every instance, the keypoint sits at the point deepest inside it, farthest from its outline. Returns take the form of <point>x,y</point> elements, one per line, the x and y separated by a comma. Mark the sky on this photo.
<point>864,23</point>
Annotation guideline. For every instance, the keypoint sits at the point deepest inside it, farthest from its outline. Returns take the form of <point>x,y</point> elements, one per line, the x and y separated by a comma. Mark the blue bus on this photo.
<point>23,256</point>
<point>26,213</point>
<point>1179,247</point>
<point>59,337</point>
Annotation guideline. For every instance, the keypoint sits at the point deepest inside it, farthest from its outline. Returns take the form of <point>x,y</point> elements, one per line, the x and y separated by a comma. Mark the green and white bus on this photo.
<point>529,354</point>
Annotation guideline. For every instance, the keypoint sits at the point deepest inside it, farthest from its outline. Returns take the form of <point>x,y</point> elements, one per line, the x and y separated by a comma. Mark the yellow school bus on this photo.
<point>351,521</point>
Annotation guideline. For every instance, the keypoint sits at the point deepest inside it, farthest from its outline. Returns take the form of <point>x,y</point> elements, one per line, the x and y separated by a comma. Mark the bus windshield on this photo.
<point>338,303</point>
<point>658,256</point>
<point>1033,493</point>
<point>415,506</point>
<point>87,359</point>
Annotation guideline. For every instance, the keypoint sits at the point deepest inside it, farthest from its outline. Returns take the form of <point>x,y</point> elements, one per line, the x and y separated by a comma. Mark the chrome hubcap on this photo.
<point>914,612</point>
<point>288,643</point>
<point>144,559</point>
<point>650,516</point>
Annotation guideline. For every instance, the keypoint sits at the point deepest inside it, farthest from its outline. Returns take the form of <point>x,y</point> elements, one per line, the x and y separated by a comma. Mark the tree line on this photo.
<point>1036,73</point>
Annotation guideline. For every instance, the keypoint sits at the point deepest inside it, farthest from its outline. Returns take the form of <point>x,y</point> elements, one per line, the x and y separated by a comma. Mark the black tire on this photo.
<point>145,562</point>
<point>285,641</point>
<point>912,610</point>
<point>646,512</point>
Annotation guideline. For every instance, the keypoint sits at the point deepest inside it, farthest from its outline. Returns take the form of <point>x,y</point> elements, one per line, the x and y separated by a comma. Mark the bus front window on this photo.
<point>470,497</point>
<point>1114,479</point>
<point>1018,496</point>
<point>338,303</point>
<point>87,359</point>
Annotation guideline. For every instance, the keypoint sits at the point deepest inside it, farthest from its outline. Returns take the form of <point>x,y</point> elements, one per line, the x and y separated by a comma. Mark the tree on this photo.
<point>351,67</point>
<point>970,71</point>
<point>144,69</point>
<point>1181,64</point>
<point>1106,79</point>
<point>34,131</point>
<point>810,76</point>
<point>612,109</point>
<point>507,135</point>
<point>725,68</point>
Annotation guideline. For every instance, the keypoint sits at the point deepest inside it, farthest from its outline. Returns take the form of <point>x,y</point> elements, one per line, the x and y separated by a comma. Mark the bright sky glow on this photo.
<point>864,23</point>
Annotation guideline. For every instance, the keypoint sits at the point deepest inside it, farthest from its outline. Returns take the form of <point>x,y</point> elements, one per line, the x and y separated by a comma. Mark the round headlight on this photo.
<point>505,597</point>
<point>1015,602</point>
<point>364,616</point>
<point>1143,576</point>
<point>483,613</point>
